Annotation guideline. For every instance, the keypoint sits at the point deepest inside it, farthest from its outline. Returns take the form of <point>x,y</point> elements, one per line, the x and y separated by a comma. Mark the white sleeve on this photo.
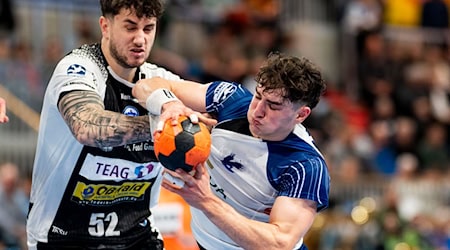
<point>152,70</point>
<point>77,73</point>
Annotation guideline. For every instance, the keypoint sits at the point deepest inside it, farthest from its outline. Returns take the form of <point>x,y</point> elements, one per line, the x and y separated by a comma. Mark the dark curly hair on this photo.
<point>298,78</point>
<point>142,8</point>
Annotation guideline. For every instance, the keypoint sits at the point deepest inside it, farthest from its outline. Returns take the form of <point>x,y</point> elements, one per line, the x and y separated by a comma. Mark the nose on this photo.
<point>259,110</point>
<point>139,38</point>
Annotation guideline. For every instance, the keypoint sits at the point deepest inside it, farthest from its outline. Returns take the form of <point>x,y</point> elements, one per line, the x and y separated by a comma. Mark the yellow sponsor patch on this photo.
<point>103,192</point>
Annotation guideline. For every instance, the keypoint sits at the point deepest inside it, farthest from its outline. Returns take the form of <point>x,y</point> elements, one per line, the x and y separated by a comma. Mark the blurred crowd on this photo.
<point>383,125</point>
<point>390,122</point>
<point>14,196</point>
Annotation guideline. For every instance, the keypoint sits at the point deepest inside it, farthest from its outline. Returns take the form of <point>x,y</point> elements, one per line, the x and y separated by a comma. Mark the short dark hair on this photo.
<point>299,79</point>
<point>142,8</point>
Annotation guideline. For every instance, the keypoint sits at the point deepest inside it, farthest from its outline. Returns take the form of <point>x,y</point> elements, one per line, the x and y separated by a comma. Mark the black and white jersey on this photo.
<point>87,194</point>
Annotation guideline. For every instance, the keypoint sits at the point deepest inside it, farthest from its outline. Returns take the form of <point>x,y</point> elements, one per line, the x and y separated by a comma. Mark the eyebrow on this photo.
<point>269,101</point>
<point>130,21</point>
<point>274,103</point>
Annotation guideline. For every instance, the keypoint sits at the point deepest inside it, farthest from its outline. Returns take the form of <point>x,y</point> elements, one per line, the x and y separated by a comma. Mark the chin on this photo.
<point>254,132</point>
<point>136,64</point>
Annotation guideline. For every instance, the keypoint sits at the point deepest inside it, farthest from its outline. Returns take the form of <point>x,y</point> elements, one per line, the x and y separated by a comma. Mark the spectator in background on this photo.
<point>433,149</point>
<point>5,56</point>
<point>359,17</point>
<point>3,117</point>
<point>421,111</point>
<point>438,83</point>
<point>7,19</point>
<point>13,207</point>
<point>85,32</point>
<point>434,17</point>
<point>224,56</point>
<point>413,198</point>
<point>373,74</point>
<point>397,138</point>
<point>53,51</point>
<point>405,179</point>
<point>397,232</point>
<point>23,76</point>
<point>184,32</point>
<point>434,14</point>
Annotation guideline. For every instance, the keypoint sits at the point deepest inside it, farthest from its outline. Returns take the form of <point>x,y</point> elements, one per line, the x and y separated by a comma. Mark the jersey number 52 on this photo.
<point>98,223</point>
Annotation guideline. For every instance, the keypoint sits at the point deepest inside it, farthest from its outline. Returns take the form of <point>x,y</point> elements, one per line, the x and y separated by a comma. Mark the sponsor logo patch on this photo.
<point>229,163</point>
<point>101,168</point>
<point>130,111</point>
<point>76,70</point>
<point>103,195</point>
<point>223,91</point>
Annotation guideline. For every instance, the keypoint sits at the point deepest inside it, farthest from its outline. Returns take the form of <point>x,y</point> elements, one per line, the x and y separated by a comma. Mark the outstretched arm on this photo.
<point>3,117</point>
<point>94,126</point>
<point>290,218</point>
<point>191,94</point>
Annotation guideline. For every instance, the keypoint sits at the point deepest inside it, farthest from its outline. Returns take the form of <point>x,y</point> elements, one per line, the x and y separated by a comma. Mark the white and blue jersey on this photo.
<point>249,173</point>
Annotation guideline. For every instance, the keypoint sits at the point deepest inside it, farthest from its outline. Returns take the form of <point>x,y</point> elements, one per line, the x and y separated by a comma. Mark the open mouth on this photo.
<point>137,52</point>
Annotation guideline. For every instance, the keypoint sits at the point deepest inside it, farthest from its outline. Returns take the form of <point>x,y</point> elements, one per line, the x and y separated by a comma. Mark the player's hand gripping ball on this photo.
<point>182,146</point>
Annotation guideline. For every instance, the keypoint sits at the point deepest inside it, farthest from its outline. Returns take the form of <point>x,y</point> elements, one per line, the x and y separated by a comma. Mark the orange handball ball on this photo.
<point>182,146</point>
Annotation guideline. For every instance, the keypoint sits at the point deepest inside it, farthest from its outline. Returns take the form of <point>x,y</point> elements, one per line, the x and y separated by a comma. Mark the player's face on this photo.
<point>270,116</point>
<point>130,38</point>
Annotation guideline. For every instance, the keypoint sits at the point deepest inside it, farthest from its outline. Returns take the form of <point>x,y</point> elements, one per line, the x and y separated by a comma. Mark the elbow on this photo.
<point>104,138</point>
<point>285,241</point>
<point>289,240</point>
<point>91,132</point>
<point>83,138</point>
<point>285,244</point>
<point>86,135</point>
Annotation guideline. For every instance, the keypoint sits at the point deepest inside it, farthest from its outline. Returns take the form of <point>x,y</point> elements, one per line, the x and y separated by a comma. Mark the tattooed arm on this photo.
<point>92,125</point>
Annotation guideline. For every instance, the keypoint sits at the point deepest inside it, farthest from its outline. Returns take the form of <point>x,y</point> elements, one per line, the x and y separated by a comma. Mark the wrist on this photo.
<point>157,99</point>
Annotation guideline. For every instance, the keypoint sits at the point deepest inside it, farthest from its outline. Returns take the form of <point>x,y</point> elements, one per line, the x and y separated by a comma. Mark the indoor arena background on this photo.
<point>383,124</point>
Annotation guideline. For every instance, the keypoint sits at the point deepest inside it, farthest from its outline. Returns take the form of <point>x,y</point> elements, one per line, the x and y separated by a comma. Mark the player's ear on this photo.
<point>302,113</point>
<point>104,24</point>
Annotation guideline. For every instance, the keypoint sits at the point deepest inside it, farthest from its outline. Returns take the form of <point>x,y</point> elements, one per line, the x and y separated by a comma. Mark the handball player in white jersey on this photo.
<point>265,179</point>
<point>95,175</point>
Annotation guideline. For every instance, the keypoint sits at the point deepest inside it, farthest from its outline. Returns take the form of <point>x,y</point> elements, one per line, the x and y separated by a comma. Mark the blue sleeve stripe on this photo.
<point>319,179</point>
<point>303,173</point>
<point>310,182</point>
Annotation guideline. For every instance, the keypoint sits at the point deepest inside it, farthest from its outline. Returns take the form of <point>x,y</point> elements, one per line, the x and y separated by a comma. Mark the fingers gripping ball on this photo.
<point>184,145</point>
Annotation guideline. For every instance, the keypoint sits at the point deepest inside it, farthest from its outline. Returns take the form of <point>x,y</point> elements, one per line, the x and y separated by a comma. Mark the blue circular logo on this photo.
<point>130,111</point>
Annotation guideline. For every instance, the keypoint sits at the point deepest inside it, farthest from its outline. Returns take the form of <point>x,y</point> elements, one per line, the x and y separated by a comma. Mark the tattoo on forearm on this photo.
<point>94,126</point>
